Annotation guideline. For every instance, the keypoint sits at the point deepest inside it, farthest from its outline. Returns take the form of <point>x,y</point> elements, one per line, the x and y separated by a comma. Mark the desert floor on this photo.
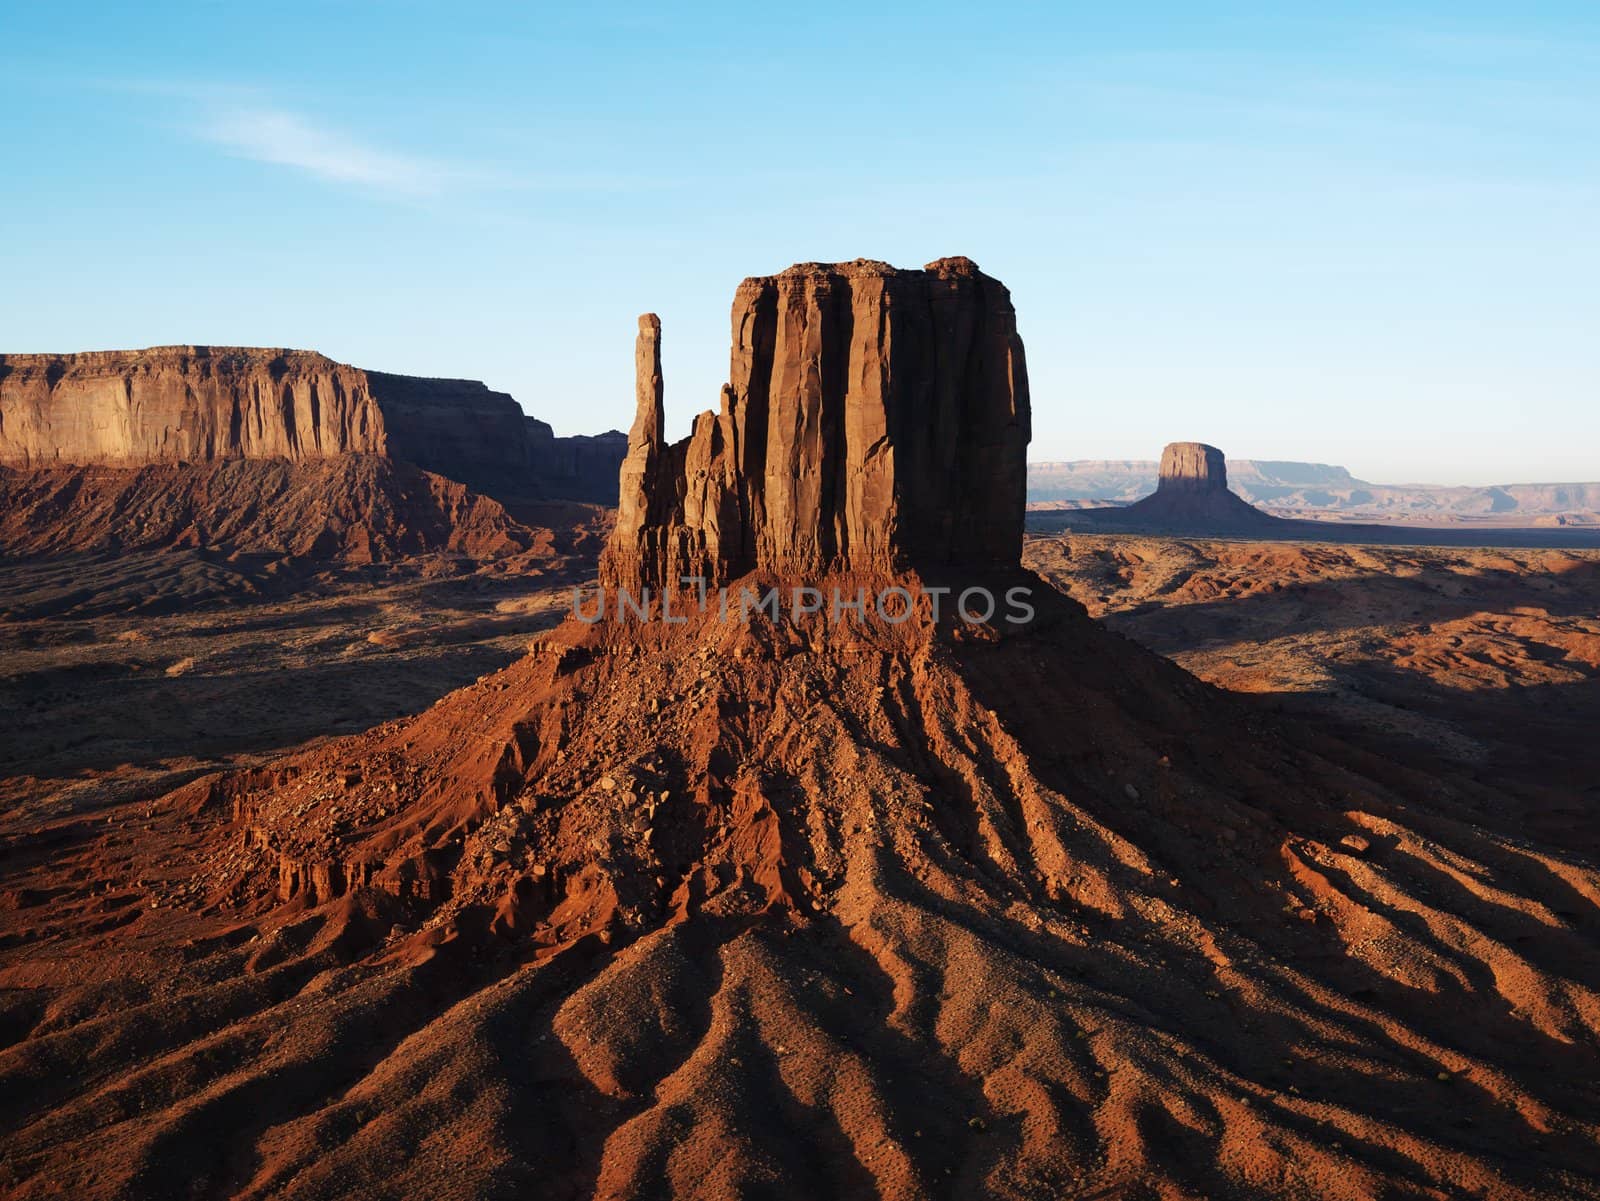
<point>123,676</point>
<point>380,881</point>
<point>1488,657</point>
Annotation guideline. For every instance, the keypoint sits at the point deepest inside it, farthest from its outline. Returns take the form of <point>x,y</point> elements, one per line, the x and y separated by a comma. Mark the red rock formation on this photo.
<point>456,428</point>
<point>204,404</point>
<point>798,909</point>
<point>874,418</point>
<point>1192,467</point>
<point>182,404</point>
<point>1191,496</point>
<point>638,480</point>
<point>577,467</point>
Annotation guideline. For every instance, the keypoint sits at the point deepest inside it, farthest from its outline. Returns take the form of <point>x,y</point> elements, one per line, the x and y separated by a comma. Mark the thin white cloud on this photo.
<point>249,123</point>
<point>270,135</point>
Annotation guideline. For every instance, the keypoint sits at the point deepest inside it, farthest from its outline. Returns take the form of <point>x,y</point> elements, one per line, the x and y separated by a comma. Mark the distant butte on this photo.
<point>1191,496</point>
<point>1192,467</point>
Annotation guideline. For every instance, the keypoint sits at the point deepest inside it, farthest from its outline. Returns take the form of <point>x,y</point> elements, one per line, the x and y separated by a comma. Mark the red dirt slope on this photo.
<point>717,911</point>
<point>355,508</point>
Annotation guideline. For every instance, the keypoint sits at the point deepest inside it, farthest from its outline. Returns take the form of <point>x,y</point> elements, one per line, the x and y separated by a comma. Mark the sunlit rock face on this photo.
<point>874,418</point>
<point>209,404</point>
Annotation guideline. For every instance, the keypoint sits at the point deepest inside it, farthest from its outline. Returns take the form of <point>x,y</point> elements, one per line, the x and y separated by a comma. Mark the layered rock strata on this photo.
<point>204,404</point>
<point>183,404</point>
<point>874,418</point>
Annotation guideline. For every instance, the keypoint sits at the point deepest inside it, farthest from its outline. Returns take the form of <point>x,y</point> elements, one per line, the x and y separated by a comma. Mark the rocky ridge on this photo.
<point>352,509</point>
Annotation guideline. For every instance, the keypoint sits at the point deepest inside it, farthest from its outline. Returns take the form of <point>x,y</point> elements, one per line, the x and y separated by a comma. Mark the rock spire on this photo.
<point>874,419</point>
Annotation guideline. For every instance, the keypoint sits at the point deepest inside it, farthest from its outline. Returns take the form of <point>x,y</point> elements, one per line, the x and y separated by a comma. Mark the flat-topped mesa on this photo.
<point>206,404</point>
<point>1191,496</point>
<point>183,404</point>
<point>1192,467</point>
<point>874,419</point>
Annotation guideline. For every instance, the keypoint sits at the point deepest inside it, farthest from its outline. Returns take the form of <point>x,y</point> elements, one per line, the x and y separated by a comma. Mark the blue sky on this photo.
<point>1356,233</point>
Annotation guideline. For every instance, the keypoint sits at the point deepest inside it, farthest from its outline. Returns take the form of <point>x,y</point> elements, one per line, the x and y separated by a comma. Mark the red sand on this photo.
<point>723,912</point>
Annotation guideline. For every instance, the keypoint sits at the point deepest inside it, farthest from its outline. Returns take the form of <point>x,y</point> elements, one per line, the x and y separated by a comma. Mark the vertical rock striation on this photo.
<point>576,467</point>
<point>1192,467</point>
<point>637,479</point>
<point>183,404</point>
<point>209,404</point>
<point>874,418</point>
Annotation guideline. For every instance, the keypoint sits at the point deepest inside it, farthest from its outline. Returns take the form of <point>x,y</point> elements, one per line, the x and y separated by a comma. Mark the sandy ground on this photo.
<point>1566,532</point>
<point>1488,657</point>
<point>124,675</point>
<point>796,912</point>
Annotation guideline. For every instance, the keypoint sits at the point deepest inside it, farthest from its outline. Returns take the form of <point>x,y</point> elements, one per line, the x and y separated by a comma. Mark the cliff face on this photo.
<point>199,404</point>
<point>578,467</point>
<point>1192,467</point>
<point>456,428</point>
<point>183,404</point>
<point>874,418</point>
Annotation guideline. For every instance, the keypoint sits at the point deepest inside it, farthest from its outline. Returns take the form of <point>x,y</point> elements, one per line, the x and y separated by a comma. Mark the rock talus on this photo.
<point>874,418</point>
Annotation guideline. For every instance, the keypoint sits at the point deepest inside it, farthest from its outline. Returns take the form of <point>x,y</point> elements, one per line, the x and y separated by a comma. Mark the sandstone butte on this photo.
<point>1192,467</point>
<point>792,910</point>
<point>204,404</point>
<point>874,418</point>
<point>1191,495</point>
